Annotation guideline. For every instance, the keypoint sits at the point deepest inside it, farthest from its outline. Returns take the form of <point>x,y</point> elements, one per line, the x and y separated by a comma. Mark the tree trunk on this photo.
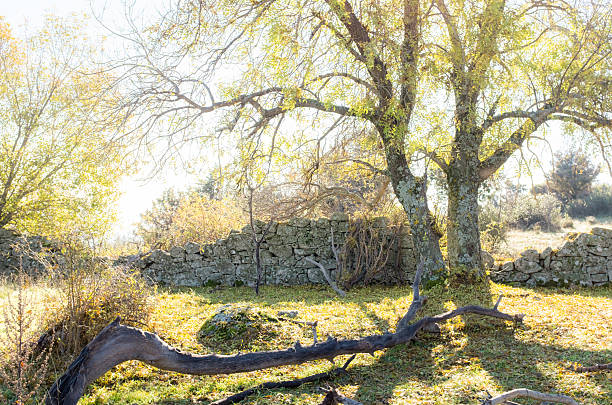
<point>411,191</point>
<point>463,235</point>
<point>258,264</point>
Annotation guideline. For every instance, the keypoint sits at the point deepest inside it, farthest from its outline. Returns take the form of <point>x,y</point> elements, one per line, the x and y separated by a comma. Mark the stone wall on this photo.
<point>231,261</point>
<point>20,252</point>
<point>585,259</point>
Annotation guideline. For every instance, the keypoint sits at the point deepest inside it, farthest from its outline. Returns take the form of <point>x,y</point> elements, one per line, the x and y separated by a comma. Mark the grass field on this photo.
<point>561,327</point>
<point>518,241</point>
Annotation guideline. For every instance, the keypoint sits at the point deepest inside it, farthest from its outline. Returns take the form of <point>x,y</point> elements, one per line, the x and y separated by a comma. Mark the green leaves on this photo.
<point>59,166</point>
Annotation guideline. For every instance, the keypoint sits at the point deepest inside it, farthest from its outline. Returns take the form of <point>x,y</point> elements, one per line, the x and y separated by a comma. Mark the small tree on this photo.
<point>58,162</point>
<point>572,176</point>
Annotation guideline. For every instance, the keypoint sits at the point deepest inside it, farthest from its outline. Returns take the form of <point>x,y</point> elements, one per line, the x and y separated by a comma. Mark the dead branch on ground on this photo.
<point>506,397</point>
<point>118,343</point>
<point>284,384</point>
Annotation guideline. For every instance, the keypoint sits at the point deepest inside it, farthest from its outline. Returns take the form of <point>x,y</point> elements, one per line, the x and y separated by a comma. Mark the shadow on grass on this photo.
<point>509,362</point>
<point>273,295</point>
<point>487,349</point>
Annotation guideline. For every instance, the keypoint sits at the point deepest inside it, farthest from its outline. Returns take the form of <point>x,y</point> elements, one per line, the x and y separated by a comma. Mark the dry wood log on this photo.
<point>118,343</point>
<point>506,397</point>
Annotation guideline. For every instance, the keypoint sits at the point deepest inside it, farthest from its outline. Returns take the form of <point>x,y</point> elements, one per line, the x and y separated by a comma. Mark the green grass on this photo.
<point>469,358</point>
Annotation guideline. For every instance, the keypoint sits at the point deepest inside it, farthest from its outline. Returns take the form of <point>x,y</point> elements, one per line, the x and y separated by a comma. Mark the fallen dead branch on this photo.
<point>593,368</point>
<point>327,276</point>
<point>284,384</point>
<point>525,393</point>
<point>118,343</point>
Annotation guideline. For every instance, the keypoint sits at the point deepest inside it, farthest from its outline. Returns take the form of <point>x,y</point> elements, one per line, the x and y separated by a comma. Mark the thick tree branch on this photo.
<point>328,278</point>
<point>491,164</point>
<point>589,369</point>
<point>360,36</point>
<point>409,54</point>
<point>118,343</point>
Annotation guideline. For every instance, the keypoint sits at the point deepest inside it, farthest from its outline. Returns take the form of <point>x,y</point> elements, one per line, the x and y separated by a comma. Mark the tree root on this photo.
<point>593,368</point>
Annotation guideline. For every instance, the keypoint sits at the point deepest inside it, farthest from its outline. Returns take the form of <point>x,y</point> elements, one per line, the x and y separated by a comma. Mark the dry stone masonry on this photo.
<point>20,252</point>
<point>230,261</point>
<point>585,259</point>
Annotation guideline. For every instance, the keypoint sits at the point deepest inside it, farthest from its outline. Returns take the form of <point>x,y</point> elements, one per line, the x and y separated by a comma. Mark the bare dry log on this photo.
<point>118,343</point>
<point>526,393</point>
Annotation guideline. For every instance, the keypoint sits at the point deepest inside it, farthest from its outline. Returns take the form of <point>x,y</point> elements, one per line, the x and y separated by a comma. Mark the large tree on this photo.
<point>464,84</point>
<point>57,166</point>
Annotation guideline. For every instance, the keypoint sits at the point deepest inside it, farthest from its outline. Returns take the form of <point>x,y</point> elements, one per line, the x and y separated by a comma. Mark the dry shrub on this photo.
<point>49,319</point>
<point>23,368</point>
<point>92,295</point>
<point>204,220</point>
<point>371,248</point>
<point>190,217</point>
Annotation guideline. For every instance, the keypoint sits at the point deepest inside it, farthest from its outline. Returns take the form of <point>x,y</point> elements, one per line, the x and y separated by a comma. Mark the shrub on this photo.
<point>572,176</point>
<point>597,203</point>
<point>493,225</point>
<point>91,294</point>
<point>528,212</point>
<point>23,368</point>
<point>190,217</point>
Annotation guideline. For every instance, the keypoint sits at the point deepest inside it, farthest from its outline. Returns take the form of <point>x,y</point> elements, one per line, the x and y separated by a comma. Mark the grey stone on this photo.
<point>601,269</point>
<point>531,255</point>
<point>603,232</point>
<point>339,217</point>
<point>525,266</point>
<point>599,278</point>
<point>177,252</point>
<point>288,314</point>
<point>192,248</point>
<point>193,257</point>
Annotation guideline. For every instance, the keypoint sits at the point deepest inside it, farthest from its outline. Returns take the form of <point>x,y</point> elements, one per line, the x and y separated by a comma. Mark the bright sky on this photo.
<point>138,193</point>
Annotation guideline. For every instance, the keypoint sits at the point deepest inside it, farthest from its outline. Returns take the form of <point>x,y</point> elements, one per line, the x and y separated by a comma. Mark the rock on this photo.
<point>603,232</point>
<point>339,217</point>
<point>525,266</point>
<point>487,259</point>
<point>177,252</point>
<point>599,278</point>
<point>289,314</point>
<point>238,327</point>
<point>192,248</point>
<point>531,255</point>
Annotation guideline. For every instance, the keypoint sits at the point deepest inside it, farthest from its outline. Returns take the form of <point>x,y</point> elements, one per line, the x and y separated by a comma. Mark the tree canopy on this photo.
<point>462,84</point>
<point>58,167</point>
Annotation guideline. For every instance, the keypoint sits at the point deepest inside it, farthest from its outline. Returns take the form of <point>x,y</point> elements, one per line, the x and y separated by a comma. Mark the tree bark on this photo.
<point>464,251</point>
<point>506,397</point>
<point>411,192</point>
